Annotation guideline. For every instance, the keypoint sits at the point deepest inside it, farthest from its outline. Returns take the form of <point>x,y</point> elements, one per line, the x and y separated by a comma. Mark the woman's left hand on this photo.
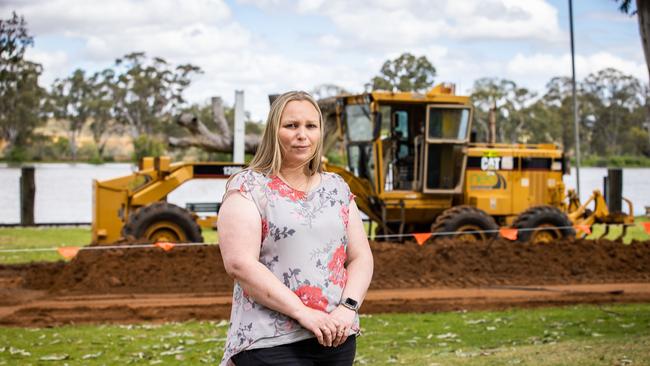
<point>345,318</point>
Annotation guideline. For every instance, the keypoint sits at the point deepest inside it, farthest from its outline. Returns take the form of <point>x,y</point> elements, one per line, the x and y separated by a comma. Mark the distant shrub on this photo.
<point>616,161</point>
<point>147,146</point>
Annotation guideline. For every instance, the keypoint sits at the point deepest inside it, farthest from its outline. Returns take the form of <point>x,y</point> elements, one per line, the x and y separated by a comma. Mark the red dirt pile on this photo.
<point>442,264</point>
<point>450,264</point>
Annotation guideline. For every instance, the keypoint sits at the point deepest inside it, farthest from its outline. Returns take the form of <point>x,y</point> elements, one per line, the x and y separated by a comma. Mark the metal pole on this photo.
<point>575,102</point>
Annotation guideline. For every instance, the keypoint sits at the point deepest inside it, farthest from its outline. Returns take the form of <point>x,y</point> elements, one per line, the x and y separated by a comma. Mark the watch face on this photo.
<point>351,302</point>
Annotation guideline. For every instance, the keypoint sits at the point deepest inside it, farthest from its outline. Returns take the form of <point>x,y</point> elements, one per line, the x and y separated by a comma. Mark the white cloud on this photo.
<point>82,18</point>
<point>364,34</point>
<point>538,69</point>
<point>504,19</point>
<point>182,44</point>
<point>200,32</point>
<point>305,6</point>
<point>329,41</point>
<point>393,24</point>
<point>55,64</point>
<point>260,75</point>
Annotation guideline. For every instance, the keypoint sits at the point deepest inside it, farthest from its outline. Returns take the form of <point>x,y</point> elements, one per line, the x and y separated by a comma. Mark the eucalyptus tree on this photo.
<point>69,101</point>
<point>147,93</point>
<point>101,109</point>
<point>613,100</point>
<point>509,103</point>
<point>20,94</point>
<point>404,73</point>
<point>326,90</point>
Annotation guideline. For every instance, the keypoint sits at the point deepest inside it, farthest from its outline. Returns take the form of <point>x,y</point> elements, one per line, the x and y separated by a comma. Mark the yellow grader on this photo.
<point>412,164</point>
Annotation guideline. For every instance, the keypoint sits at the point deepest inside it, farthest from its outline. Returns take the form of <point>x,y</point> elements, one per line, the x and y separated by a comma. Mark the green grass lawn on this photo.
<point>39,238</point>
<point>636,232</point>
<point>48,237</point>
<point>578,335</point>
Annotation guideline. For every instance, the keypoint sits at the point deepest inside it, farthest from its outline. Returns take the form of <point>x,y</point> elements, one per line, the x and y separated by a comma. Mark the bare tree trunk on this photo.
<point>492,117</point>
<point>219,118</point>
<point>133,126</point>
<point>643,12</point>
<point>73,144</point>
<point>202,137</point>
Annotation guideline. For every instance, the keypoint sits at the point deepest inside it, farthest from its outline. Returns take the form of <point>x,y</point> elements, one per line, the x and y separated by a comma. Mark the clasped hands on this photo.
<point>331,330</point>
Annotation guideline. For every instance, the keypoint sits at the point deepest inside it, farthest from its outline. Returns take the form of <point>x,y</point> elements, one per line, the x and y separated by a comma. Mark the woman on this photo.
<point>292,238</point>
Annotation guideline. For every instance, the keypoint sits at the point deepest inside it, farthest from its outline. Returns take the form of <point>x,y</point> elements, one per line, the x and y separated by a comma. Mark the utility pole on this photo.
<point>575,101</point>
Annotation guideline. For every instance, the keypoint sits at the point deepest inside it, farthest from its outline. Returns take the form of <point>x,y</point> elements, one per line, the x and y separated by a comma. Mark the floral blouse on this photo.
<point>304,244</point>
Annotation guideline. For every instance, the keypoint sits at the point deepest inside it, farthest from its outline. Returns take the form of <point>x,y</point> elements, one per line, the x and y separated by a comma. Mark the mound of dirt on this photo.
<point>35,276</point>
<point>443,264</point>
<point>145,270</point>
<point>453,264</point>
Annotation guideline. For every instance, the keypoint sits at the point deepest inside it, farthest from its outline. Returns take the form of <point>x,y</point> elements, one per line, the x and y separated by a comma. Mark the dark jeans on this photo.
<point>303,353</point>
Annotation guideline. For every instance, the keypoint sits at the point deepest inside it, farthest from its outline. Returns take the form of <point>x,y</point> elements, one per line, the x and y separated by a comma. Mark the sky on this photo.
<point>270,46</point>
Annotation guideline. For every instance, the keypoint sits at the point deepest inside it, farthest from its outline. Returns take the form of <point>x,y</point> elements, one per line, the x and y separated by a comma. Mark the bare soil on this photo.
<point>134,284</point>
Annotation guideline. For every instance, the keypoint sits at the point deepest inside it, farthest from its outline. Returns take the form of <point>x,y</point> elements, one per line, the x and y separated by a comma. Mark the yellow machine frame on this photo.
<point>440,171</point>
<point>533,175</point>
<point>116,199</point>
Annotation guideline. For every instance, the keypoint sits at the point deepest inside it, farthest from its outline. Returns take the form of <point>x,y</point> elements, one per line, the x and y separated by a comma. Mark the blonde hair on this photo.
<point>268,158</point>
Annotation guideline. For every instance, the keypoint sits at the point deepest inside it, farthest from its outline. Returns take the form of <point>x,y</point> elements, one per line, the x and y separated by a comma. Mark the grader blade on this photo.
<point>619,236</point>
<point>599,214</point>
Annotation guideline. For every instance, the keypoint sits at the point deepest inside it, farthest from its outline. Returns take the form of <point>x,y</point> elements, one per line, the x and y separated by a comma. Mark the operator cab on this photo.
<point>410,145</point>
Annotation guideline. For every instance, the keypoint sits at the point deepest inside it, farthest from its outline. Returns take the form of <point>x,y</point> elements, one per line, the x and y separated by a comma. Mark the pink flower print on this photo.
<point>345,215</point>
<point>276,184</point>
<point>338,274</point>
<point>248,306</point>
<point>265,229</point>
<point>243,190</point>
<point>247,300</point>
<point>312,296</point>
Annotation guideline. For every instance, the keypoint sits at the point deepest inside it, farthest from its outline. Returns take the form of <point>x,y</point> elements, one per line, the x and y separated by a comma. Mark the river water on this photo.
<point>64,191</point>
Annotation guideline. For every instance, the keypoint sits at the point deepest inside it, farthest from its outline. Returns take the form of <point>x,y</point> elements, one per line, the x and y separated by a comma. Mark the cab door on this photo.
<point>445,149</point>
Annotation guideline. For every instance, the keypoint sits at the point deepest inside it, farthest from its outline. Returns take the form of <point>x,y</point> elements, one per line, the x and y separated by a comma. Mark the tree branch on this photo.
<point>203,138</point>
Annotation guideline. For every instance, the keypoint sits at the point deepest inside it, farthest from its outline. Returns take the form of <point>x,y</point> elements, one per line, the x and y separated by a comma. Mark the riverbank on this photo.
<point>615,161</point>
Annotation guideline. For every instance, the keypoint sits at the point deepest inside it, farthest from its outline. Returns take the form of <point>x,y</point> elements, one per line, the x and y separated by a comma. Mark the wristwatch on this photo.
<point>351,304</point>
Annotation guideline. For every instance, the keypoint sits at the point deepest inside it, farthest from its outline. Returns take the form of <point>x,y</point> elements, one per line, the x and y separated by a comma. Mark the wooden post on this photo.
<point>614,192</point>
<point>27,194</point>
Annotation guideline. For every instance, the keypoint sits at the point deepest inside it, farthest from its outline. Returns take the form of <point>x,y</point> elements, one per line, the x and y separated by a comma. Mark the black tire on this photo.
<point>162,221</point>
<point>556,222</point>
<point>471,223</point>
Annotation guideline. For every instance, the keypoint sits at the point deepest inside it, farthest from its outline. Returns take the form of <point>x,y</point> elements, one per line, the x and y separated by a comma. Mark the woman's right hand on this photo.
<point>322,324</point>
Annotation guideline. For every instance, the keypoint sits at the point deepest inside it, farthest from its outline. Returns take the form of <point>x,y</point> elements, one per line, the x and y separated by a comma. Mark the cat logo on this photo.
<point>490,163</point>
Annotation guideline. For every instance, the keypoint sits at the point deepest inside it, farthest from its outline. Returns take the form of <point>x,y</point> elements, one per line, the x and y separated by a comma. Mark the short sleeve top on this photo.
<point>303,243</point>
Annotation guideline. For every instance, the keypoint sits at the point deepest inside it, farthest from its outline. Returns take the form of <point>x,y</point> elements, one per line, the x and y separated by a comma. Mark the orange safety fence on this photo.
<point>69,252</point>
